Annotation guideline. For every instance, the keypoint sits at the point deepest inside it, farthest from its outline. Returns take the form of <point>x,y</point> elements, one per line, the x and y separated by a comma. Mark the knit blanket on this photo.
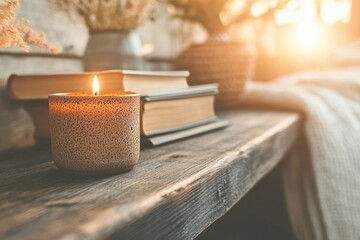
<point>322,177</point>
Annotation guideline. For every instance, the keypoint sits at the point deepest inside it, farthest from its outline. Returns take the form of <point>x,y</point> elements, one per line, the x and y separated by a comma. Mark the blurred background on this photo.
<point>264,39</point>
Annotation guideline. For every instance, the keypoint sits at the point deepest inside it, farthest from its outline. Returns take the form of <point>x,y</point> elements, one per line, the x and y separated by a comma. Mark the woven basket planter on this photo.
<point>229,64</point>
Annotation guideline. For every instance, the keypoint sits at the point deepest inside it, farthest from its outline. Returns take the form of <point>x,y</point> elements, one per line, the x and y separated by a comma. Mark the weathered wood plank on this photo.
<point>174,192</point>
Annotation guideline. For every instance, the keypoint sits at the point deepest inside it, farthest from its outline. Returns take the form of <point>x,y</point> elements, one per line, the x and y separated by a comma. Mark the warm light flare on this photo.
<point>148,48</point>
<point>308,36</point>
<point>299,12</point>
<point>336,11</point>
<point>259,8</point>
<point>96,89</point>
<point>231,9</point>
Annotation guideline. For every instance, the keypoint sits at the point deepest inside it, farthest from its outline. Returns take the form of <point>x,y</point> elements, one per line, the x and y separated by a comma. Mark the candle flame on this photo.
<point>96,90</point>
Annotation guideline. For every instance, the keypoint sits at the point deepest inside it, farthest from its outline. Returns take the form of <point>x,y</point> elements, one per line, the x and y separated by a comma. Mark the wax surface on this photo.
<point>95,134</point>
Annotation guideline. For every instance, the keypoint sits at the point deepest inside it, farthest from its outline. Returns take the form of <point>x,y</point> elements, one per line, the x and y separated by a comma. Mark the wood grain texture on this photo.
<point>174,192</point>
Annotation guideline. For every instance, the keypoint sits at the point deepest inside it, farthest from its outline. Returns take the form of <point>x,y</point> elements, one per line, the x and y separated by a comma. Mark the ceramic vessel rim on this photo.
<point>88,95</point>
<point>98,31</point>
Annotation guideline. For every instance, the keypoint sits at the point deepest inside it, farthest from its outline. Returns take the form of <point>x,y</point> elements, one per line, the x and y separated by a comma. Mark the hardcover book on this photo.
<point>161,112</point>
<point>39,86</point>
<point>170,109</point>
<point>215,124</point>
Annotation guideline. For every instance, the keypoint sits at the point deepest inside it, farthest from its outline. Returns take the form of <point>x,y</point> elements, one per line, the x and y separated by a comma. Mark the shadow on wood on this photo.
<point>261,214</point>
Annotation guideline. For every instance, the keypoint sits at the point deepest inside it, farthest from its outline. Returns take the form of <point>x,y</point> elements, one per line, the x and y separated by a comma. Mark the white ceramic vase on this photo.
<point>113,50</point>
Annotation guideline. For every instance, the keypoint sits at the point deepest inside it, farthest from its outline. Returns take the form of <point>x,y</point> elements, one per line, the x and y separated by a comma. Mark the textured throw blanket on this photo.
<point>322,178</point>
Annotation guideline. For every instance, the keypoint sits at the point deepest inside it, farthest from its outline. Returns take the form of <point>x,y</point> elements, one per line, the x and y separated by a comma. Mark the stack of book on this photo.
<point>171,109</point>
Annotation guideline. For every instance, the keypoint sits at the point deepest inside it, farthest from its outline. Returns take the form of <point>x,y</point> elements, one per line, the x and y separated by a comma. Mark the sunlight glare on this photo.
<point>308,36</point>
<point>259,8</point>
<point>336,11</point>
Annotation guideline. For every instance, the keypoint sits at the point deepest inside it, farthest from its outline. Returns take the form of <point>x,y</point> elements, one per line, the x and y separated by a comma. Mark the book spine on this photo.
<point>39,113</point>
<point>10,88</point>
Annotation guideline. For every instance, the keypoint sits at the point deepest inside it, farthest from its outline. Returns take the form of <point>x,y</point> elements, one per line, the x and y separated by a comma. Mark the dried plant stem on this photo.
<point>17,33</point>
<point>105,15</point>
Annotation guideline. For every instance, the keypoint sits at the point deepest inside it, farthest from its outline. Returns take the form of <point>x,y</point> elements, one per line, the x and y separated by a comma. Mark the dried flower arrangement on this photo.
<point>216,16</point>
<point>100,15</point>
<point>17,33</point>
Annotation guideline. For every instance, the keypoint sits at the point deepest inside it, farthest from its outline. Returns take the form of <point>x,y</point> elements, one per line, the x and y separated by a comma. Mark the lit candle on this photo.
<point>95,133</point>
<point>96,89</point>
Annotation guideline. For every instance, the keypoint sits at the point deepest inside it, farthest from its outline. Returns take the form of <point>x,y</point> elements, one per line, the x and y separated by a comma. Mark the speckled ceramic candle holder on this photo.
<point>95,134</point>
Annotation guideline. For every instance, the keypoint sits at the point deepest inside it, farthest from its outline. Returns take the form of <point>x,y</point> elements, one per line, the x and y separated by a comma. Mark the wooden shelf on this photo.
<point>174,192</point>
